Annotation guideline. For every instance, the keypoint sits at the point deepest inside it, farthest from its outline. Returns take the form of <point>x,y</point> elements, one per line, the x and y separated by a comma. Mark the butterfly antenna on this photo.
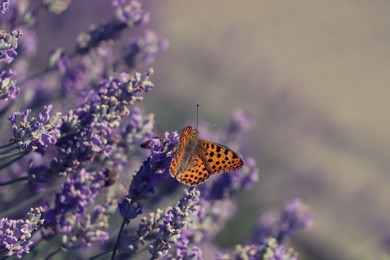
<point>197,113</point>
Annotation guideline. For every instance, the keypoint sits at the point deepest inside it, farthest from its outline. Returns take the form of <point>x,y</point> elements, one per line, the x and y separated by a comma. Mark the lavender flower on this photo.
<point>89,229</point>
<point>57,6</point>
<point>35,134</point>
<point>163,229</point>
<point>19,14</point>
<point>270,233</point>
<point>95,122</point>
<point>270,250</point>
<point>210,219</point>
<point>275,251</point>
<point>143,50</point>
<point>70,215</point>
<point>130,12</point>
<point>174,221</point>
<point>8,45</point>
<point>79,189</point>
<point>27,47</point>
<point>79,72</point>
<point>183,249</point>
<point>295,215</point>
<point>148,176</point>
<point>59,60</point>
<point>15,235</point>
<point>139,129</point>
<point>8,89</point>
<point>4,6</point>
<point>87,130</point>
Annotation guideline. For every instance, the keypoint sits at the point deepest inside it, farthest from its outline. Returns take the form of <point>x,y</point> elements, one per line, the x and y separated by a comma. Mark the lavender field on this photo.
<point>94,95</point>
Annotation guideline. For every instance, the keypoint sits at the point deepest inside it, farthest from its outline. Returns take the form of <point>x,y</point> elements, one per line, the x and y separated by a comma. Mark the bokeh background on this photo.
<point>314,76</point>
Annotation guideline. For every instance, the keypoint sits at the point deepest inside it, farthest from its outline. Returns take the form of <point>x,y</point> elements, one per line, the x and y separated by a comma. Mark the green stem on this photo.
<point>117,239</point>
<point>12,161</point>
<point>25,178</point>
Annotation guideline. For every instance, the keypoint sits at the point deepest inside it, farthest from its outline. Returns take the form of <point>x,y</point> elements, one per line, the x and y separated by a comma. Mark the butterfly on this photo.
<point>196,159</point>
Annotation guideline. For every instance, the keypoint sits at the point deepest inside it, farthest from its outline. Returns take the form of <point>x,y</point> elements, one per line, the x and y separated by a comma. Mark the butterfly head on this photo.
<point>195,133</point>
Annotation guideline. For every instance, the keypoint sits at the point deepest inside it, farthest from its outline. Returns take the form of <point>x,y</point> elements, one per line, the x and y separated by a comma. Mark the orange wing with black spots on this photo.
<point>196,174</point>
<point>218,158</point>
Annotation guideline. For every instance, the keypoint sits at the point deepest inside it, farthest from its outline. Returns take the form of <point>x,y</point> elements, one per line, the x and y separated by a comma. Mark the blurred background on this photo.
<point>314,76</point>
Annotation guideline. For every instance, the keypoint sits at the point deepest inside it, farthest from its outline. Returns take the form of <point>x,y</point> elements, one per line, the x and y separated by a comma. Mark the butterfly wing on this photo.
<point>196,173</point>
<point>184,138</point>
<point>218,158</point>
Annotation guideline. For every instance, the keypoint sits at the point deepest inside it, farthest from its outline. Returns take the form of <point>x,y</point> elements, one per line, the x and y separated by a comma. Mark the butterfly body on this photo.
<point>196,159</point>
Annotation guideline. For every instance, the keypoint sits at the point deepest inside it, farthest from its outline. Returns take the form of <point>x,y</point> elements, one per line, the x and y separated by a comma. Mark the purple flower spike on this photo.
<point>70,215</point>
<point>8,89</point>
<point>35,134</point>
<point>269,250</point>
<point>183,250</point>
<point>173,222</point>
<point>57,6</point>
<point>130,12</point>
<point>15,234</point>
<point>210,218</point>
<point>4,6</point>
<point>81,232</point>
<point>88,129</point>
<point>140,128</point>
<point>163,229</point>
<point>8,45</point>
<point>59,60</point>
<point>144,49</point>
<point>295,215</point>
<point>148,176</point>
<point>79,190</point>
